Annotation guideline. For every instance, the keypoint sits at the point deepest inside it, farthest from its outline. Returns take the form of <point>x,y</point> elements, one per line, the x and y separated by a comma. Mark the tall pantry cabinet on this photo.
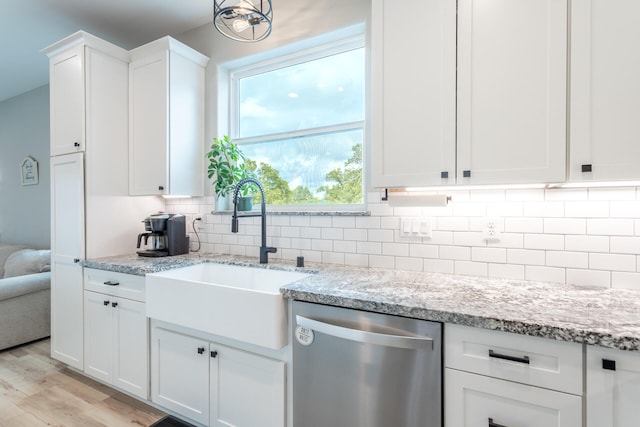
<point>91,213</point>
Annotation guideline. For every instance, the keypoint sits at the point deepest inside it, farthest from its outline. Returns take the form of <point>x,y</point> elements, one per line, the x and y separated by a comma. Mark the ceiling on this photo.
<point>28,26</point>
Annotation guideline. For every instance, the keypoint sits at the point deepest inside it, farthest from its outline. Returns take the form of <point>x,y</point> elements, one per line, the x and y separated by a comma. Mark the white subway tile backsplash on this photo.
<point>626,209</point>
<point>504,209</point>
<point>455,252</point>
<point>577,236</point>
<point>469,268</point>
<point>395,249</point>
<point>370,221</point>
<point>613,262</point>
<point>468,238</point>
<point>439,266</point>
<point>567,259</point>
<point>409,264</point>
<point>565,226</point>
<point>377,261</point>
<point>506,271</point>
<point>590,209</point>
<point>544,241</point>
<point>523,225</point>
<point>526,257</point>
<point>376,235</point>
<point>355,234</point>
<point>621,280</point>
<point>566,194</point>
<point>495,255</point>
<point>387,222</point>
<point>370,248</point>
<point>344,222</point>
<point>588,278</point>
<point>345,246</point>
<point>587,243</point>
<point>610,226</point>
<point>625,245</point>
<point>544,209</point>
<point>544,274</point>
<point>332,233</point>
<point>423,251</point>
<point>453,223</point>
<point>321,245</point>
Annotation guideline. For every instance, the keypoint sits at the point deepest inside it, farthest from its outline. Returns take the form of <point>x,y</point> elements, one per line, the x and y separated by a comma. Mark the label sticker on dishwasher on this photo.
<point>304,335</point>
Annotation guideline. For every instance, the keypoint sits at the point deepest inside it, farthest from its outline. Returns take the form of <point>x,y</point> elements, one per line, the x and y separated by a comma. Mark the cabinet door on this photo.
<point>131,352</point>
<point>67,249</point>
<point>180,374</point>
<point>605,90</point>
<point>246,389</point>
<point>475,400</point>
<point>413,93</point>
<point>613,387</point>
<point>148,125</point>
<point>67,101</point>
<point>98,335</point>
<point>512,59</point>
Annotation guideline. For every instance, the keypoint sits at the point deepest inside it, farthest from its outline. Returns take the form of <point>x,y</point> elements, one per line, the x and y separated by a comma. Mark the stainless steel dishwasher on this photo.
<point>359,369</point>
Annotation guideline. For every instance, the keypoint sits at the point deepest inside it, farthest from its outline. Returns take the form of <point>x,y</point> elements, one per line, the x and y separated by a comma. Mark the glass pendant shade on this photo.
<point>242,20</point>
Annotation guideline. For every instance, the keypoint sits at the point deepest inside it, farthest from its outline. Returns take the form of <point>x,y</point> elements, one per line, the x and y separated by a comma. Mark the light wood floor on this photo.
<point>36,391</point>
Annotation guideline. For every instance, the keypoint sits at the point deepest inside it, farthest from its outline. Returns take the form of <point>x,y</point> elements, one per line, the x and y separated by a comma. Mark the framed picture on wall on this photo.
<point>29,171</point>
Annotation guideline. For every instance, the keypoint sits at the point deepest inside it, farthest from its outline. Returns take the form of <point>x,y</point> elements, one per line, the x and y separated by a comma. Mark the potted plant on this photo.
<point>227,166</point>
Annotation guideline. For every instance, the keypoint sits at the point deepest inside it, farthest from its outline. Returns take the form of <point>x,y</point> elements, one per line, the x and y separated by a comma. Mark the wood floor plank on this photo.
<point>36,391</point>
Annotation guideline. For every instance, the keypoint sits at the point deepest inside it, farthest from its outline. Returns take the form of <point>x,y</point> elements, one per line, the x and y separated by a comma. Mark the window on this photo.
<point>299,119</point>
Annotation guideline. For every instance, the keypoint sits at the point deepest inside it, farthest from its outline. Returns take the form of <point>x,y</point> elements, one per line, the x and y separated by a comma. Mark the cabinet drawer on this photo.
<point>117,284</point>
<point>474,400</point>
<point>542,362</point>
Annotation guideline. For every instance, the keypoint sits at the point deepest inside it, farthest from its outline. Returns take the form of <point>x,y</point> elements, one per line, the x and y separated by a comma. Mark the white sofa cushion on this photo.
<point>27,261</point>
<point>5,251</point>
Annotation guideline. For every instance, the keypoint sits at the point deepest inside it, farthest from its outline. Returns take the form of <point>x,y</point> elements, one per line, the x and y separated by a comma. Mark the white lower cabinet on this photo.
<point>476,400</point>
<point>500,379</point>
<point>116,332</point>
<point>214,384</point>
<point>613,387</point>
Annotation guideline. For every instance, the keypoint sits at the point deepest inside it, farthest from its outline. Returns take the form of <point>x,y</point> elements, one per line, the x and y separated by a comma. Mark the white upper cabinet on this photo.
<point>79,65</point>
<point>512,58</point>
<point>605,90</point>
<point>413,92</point>
<point>166,123</point>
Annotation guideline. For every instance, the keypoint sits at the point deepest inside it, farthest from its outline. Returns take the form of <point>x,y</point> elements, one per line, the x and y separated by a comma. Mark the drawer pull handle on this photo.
<point>110,283</point>
<point>105,302</point>
<point>609,364</point>
<point>200,350</point>
<point>524,359</point>
<point>492,424</point>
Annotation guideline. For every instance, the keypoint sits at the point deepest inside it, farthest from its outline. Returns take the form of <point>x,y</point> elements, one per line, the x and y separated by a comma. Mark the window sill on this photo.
<point>300,213</point>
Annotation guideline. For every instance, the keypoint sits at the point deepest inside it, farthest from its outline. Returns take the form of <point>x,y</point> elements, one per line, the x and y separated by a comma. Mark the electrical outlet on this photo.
<point>491,230</point>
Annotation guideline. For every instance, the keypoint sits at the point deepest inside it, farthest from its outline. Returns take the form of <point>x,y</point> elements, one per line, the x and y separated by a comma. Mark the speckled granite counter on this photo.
<point>606,317</point>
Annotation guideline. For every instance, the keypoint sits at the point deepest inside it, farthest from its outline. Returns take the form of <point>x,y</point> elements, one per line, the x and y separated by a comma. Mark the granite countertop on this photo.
<point>605,317</point>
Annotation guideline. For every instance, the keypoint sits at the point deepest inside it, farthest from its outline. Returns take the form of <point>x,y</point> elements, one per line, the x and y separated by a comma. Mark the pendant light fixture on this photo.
<point>242,20</point>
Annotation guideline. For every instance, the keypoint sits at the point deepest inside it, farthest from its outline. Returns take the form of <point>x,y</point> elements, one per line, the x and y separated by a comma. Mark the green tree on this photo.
<point>345,185</point>
<point>276,189</point>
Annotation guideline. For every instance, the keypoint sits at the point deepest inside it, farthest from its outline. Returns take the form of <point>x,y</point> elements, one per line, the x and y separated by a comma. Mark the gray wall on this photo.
<point>24,131</point>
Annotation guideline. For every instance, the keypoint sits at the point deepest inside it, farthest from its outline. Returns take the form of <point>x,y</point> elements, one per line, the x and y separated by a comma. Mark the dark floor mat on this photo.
<point>171,421</point>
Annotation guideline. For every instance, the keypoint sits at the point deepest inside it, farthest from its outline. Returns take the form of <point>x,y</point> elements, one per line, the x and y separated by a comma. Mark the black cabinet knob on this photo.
<point>466,174</point>
<point>214,354</point>
<point>200,350</point>
<point>106,302</point>
<point>76,260</point>
<point>586,168</point>
<point>114,304</point>
<point>609,364</point>
<point>161,187</point>
<point>76,144</point>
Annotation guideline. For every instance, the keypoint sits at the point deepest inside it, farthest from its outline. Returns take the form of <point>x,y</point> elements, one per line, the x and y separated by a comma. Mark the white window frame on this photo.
<point>281,61</point>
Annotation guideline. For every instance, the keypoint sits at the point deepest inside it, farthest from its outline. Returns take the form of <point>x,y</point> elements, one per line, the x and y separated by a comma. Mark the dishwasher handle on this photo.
<point>387,340</point>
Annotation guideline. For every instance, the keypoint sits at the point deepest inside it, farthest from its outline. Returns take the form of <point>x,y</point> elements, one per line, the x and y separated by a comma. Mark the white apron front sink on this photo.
<point>242,303</point>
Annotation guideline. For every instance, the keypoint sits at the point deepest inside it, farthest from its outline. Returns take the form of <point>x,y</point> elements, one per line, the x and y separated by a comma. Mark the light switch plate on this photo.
<point>415,227</point>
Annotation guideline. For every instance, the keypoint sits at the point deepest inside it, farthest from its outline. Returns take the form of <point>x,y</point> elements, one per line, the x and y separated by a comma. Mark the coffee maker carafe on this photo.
<point>165,235</point>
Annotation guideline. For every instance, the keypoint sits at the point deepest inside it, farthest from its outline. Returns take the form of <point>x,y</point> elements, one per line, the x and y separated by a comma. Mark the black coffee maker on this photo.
<point>165,235</point>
